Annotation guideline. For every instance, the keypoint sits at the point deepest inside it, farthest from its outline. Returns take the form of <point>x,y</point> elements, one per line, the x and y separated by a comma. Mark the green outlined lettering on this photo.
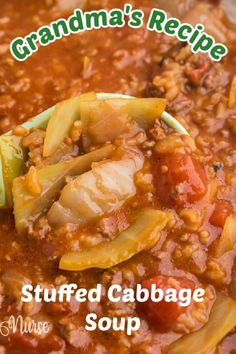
<point>19,49</point>
<point>46,37</point>
<point>60,28</point>
<point>96,19</point>
<point>136,19</point>
<point>158,21</point>
<point>116,18</point>
<point>203,44</point>
<point>184,31</point>
<point>171,26</point>
<point>199,40</point>
<point>31,40</point>
<point>198,29</point>
<point>218,51</point>
<point>75,22</point>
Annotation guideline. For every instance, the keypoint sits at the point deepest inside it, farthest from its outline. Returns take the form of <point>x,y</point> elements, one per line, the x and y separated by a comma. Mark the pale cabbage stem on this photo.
<point>173,123</point>
<point>43,117</point>
<point>165,117</point>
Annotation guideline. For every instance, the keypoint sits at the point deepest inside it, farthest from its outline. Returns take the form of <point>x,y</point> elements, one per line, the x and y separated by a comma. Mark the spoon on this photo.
<point>13,154</point>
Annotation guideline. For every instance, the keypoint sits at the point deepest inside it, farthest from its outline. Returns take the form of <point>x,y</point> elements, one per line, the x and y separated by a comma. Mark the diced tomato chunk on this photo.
<point>196,74</point>
<point>184,180</point>
<point>165,314</point>
<point>223,209</point>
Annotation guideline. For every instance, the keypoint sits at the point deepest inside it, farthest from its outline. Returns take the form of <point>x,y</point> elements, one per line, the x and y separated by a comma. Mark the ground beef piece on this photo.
<point>196,68</point>
<point>181,104</point>
<point>216,78</point>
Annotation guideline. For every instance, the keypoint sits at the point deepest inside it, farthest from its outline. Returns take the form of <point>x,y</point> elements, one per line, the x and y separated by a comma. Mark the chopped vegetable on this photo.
<point>61,121</point>
<point>64,153</point>
<point>197,72</point>
<point>173,123</point>
<point>141,235</point>
<point>104,120</point>
<point>32,183</point>
<point>143,110</point>
<point>2,188</point>
<point>51,179</point>
<point>233,284</point>
<point>223,209</point>
<point>165,314</point>
<point>99,191</point>
<point>12,154</point>
<point>232,94</point>
<point>221,321</point>
<point>185,180</point>
<point>109,96</point>
<point>165,117</point>
<point>227,239</point>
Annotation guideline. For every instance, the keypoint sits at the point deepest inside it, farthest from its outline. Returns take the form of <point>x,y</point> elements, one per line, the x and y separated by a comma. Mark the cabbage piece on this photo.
<point>233,284</point>
<point>51,178</point>
<point>227,239</point>
<point>165,117</point>
<point>141,235</point>
<point>12,154</point>
<point>143,110</point>
<point>64,153</point>
<point>221,321</point>
<point>103,189</point>
<point>2,188</point>
<point>42,119</point>
<point>105,120</point>
<point>61,121</point>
